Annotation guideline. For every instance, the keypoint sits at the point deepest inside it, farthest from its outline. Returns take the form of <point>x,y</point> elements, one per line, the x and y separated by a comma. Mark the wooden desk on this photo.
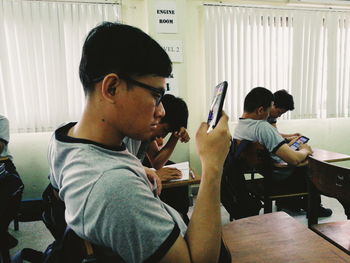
<point>277,238</point>
<point>327,156</point>
<point>195,180</point>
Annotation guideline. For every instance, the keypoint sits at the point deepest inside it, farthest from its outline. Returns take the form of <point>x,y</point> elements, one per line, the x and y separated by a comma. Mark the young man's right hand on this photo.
<point>213,147</point>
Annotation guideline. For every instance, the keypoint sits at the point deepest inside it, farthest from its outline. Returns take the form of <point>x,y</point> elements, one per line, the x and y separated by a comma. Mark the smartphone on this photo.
<point>296,144</point>
<point>216,105</point>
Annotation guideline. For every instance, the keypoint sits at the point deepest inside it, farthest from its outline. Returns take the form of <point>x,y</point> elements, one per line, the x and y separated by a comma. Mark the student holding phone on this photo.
<point>253,126</point>
<point>109,199</point>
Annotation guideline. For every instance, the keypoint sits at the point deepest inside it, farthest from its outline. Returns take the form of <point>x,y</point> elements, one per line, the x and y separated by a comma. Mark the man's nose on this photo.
<point>160,111</point>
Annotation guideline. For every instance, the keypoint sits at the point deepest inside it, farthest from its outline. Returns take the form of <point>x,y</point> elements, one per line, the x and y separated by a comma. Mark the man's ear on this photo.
<point>110,86</point>
<point>260,110</point>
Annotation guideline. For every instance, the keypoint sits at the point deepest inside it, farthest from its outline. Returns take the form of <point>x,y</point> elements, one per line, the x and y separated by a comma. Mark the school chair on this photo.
<point>246,157</point>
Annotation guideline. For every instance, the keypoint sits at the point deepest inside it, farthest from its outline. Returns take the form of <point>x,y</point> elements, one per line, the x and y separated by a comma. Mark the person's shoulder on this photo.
<point>121,179</point>
<point>4,119</point>
<point>121,186</point>
<point>263,123</point>
<point>262,126</point>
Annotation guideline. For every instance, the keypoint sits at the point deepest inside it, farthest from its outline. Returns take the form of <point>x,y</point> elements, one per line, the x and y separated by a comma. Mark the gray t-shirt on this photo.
<point>260,131</point>
<point>5,136</point>
<point>136,147</point>
<point>109,200</point>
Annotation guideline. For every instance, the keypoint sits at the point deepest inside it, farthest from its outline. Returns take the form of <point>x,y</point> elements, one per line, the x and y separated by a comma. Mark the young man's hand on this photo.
<point>182,135</point>
<point>306,147</point>
<point>292,140</point>
<point>168,173</point>
<point>153,178</point>
<point>213,147</point>
<point>291,137</point>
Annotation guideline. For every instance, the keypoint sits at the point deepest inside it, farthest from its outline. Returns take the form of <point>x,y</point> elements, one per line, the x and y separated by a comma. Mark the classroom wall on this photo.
<point>29,151</point>
<point>330,134</point>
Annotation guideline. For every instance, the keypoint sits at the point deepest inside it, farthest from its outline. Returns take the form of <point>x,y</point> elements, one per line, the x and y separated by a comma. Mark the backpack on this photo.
<point>11,189</point>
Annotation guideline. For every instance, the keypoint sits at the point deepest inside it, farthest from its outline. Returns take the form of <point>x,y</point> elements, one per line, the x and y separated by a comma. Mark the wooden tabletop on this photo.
<point>277,238</point>
<point>327,156</point>
<point>194,179</point>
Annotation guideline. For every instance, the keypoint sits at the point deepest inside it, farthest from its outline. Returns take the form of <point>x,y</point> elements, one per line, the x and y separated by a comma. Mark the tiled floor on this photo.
<point>35,235</point>
<point>338,212</point>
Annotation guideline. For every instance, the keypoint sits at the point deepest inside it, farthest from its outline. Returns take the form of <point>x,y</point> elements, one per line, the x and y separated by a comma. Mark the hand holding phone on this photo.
<point>216,105</point>
<point>301,140</point>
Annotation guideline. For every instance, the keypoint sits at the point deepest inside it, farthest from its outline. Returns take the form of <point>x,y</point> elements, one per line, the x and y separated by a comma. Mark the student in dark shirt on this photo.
<point>283,102</point>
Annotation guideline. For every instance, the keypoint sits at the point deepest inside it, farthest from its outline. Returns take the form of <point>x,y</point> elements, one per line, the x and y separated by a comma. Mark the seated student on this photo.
<point>283,102</point>
<point>109,199</point>
<point>10,183</point>
<point>156,156</point>
<point>254,127</point>
<point>174,122</point>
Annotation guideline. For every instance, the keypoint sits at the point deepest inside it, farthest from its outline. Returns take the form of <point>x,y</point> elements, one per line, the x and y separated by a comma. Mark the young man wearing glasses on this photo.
<point>109,199</point>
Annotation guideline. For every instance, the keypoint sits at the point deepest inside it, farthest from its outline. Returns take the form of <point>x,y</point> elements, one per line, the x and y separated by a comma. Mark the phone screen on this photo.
<point>301,140</point>
<point>216,105</point>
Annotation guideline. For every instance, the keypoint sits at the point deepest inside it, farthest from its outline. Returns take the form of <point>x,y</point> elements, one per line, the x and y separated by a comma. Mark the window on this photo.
<point>40,52</point>
<point>303,51</point>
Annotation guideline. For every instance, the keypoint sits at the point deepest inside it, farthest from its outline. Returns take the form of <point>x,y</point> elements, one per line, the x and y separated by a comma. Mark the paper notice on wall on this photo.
<point>166,21</point>
<point>173,48</point>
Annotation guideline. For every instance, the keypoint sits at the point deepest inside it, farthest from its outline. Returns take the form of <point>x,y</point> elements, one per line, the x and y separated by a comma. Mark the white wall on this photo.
<point>29,151</point>
<point>329,134</point>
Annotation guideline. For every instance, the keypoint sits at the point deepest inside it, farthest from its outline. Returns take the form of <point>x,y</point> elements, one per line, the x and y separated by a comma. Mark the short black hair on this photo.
<point>258,97</point>
<point>284,100</point>
<point>121,49</point>
<point>176,112</point>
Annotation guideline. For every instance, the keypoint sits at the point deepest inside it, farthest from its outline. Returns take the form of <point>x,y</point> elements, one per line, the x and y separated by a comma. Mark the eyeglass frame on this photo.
<point>158,91</point>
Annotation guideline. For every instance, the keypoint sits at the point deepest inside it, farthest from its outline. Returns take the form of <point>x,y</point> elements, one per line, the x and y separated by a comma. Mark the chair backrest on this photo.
<point>252,156</point>
<point>235,196</point>
<point>330,179</point>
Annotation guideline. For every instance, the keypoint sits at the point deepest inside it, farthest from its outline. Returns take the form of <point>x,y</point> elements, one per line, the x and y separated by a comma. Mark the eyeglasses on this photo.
<point>159,92</point>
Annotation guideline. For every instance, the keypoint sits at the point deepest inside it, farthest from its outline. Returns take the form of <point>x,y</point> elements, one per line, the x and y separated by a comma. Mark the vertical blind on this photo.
<point>305,52</point>
<point>40,50</point>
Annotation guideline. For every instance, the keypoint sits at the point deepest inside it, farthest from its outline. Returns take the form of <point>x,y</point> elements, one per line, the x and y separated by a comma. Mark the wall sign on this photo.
<point>171,85</point>
<point>166,21</point>
<point>173,48</point>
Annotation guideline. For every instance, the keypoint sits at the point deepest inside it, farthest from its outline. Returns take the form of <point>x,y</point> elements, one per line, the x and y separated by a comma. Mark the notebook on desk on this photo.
<point>184,167</point>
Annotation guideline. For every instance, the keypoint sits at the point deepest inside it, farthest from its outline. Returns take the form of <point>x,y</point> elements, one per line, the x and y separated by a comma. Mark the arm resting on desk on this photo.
<point>294,157</point>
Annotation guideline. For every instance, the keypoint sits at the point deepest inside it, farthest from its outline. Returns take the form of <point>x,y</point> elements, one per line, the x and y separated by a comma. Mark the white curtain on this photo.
<point>40,50</point>
<point>305,52</point>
